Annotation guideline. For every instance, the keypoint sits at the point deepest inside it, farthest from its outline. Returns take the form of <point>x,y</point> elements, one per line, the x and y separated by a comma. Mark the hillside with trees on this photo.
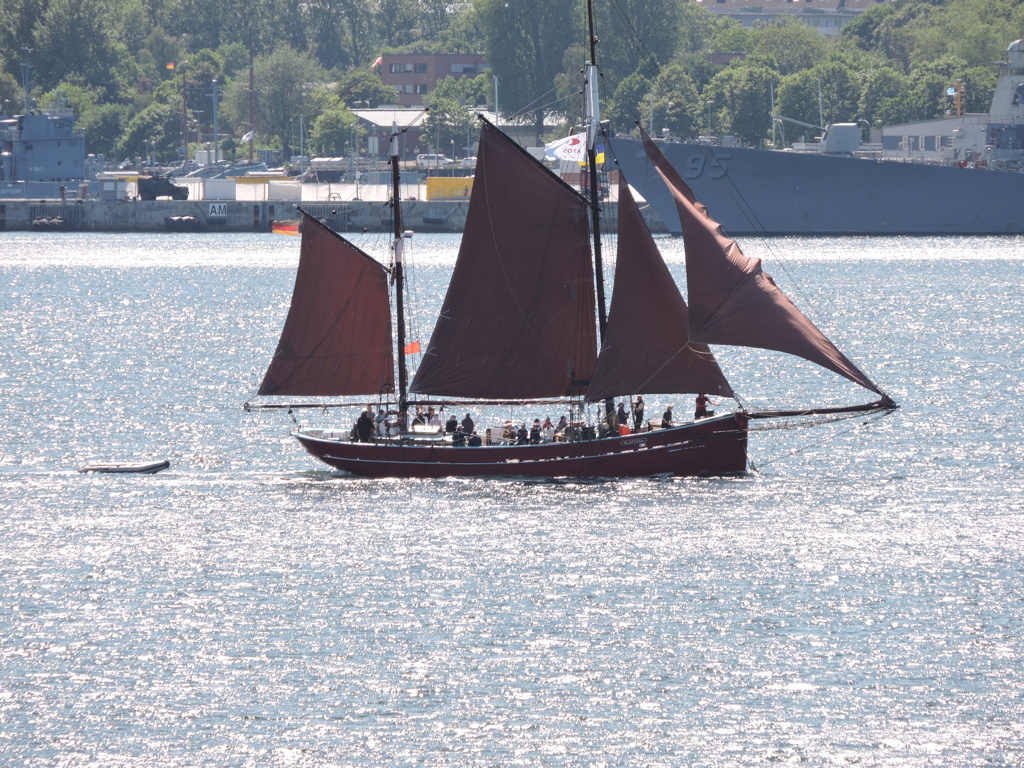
<point>136,71</point>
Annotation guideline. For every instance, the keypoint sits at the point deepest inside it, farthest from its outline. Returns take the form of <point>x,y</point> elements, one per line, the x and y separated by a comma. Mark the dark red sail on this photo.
<point>646,345</point>
<point>337,336</point>
<point>518,319</point>
<point>732,301</point>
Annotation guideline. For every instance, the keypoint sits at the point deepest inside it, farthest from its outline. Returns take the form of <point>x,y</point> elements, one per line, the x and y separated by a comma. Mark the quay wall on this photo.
<point>91,215</point>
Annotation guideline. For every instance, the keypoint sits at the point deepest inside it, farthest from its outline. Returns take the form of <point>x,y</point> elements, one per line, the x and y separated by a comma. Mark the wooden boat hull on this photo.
<point>715,446</point>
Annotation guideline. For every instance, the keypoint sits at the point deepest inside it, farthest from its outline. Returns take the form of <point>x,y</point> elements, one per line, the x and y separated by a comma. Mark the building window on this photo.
<point>463,69</point>
<point>421,88</point>
<point>420,69</point>
<point>395,68</point>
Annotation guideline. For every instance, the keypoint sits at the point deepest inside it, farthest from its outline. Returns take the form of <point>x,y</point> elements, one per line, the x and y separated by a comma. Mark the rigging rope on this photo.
<point>807,446</point>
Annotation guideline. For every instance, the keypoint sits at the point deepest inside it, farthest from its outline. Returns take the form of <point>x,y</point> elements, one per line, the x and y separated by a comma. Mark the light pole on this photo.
<point>709,116</point>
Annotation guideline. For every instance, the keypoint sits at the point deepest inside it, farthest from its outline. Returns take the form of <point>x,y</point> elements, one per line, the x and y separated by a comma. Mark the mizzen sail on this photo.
<point>518,319</point>
<point>732,301</point>
<point>646,346</point>
<point>337,336</point>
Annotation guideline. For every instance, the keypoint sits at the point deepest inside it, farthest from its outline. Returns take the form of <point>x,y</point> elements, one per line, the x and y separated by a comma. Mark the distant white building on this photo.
<point>827,16</point>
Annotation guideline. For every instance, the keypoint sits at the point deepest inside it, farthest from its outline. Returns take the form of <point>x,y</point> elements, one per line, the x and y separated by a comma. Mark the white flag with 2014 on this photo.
<point>572,148</point>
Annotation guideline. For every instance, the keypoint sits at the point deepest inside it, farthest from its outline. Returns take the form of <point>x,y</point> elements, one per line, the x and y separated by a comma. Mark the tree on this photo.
<point>701,31</point>
<point>449,123</point>
<point>625,107</point>
<point>882,90</point>
<point>525,41</point>
<point>103,126</point>
<point>792,45</point>
<point>334,131</point>
<point>360,85</point>
<point>156,126</point>
<point>647,32</point>
<point>285,85</point>
<point>71,37</point>
<point>742,104</point>
<point>675,104</point>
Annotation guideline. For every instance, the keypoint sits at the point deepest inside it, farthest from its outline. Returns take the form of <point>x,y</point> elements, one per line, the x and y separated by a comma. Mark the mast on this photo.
<point>252,90</point>
<point>399,276</point>
<point>592,117</point>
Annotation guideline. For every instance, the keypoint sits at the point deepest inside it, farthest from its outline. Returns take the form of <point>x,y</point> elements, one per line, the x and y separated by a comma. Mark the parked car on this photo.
<point>426,162</point>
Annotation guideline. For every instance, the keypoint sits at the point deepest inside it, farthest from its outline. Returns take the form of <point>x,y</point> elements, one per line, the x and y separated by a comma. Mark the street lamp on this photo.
<point>709,116</point>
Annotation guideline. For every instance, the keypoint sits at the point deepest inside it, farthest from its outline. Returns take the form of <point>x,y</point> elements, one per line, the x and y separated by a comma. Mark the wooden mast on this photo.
<point>399,277</point>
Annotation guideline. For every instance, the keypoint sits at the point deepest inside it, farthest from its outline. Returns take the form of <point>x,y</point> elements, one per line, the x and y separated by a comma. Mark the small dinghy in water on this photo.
<point>137,468</point>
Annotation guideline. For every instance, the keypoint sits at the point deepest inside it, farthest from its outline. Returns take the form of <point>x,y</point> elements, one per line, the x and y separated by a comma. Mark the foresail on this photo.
<point>732,301</point>
<point>337,336</point>
<point>646,346</point>
<point>518,319</point>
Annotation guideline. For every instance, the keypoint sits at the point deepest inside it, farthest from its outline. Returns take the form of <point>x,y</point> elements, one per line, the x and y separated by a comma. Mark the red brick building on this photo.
<point>413,75</point>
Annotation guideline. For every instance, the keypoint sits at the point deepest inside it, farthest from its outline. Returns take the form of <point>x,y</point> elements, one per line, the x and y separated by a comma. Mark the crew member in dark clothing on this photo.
<point>638,413</point>
<point>666,418</point>
<point>467,425</point>
<point>451,425</point>
<point>701,409</point>
<point>364,427</point>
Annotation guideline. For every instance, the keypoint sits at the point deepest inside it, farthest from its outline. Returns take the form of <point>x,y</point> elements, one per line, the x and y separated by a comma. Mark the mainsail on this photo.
<point>518,319</point>
<point>732,301</point>
<point>646,346</point>
<point>337,336</point>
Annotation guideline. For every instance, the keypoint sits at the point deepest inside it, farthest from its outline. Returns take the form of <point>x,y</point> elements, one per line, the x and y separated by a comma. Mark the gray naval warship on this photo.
<point>958,175</point>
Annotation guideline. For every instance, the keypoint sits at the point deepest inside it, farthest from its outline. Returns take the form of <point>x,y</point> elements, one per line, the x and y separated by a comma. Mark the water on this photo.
<point>857,600</point>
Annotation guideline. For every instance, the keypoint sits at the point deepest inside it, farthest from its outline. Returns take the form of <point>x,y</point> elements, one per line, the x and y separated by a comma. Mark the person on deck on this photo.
<point>666,418</point>
<point>638,413</point>
<point>522,436</point>
<point>364,427</point>
<point>623,418</point>
<point>701,409</point>
<point>433,417</point>
<point>468,425</point>
<point>451,425</point>
<point>535,432</point>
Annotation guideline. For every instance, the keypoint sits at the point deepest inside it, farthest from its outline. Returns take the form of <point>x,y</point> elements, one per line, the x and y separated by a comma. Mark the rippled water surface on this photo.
<point>856,600</point>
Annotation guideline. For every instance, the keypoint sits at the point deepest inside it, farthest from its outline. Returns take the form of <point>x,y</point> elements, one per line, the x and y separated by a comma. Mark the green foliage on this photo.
<point>363,88</point>
<point>157,125</point>
<point>450,123</point>
<point>647,32</point>
<point>891,64</point>
<point>335,132</point>
<point>675,107</point>
<point>791,45</point>
<point>103,126</point>
<point>741,101</point>
<point>525,41</point>
<point>286,82</point>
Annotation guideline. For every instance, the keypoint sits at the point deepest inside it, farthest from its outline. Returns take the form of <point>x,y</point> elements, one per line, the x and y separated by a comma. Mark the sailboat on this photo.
<point>524,321</point>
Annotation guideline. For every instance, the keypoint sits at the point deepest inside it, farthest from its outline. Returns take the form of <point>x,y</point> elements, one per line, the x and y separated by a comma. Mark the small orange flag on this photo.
<point>170,65</point>
<point>412,348</point>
